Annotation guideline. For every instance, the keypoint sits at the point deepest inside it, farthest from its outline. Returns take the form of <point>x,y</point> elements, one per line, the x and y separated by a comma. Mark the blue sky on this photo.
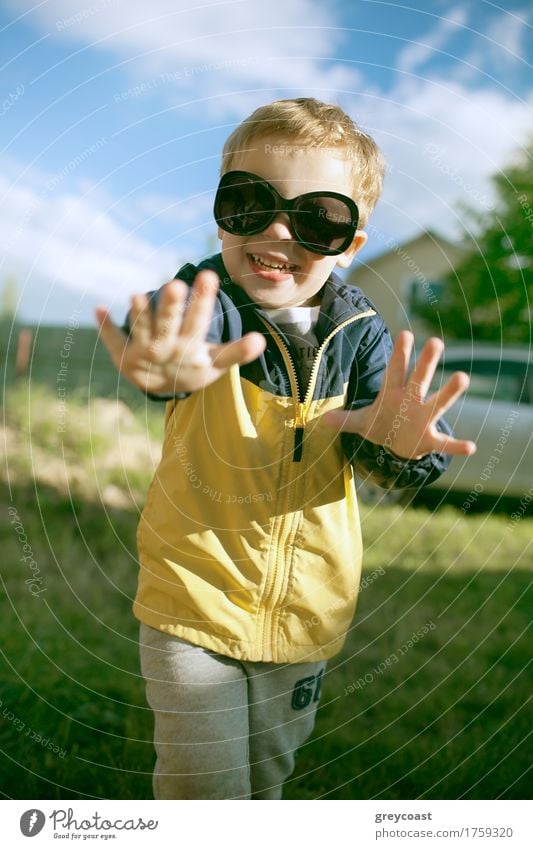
<point>113,114</point>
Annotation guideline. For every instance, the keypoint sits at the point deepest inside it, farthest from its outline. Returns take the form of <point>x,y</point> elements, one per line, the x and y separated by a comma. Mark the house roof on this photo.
<point>438,240</point>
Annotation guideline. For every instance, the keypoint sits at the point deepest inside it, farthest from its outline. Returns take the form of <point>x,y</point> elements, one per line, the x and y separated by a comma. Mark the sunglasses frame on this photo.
<point>287,206</point>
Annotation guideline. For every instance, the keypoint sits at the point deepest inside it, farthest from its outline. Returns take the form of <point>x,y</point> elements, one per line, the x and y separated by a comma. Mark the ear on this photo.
<point>344,260</point>
<point>220,233</point>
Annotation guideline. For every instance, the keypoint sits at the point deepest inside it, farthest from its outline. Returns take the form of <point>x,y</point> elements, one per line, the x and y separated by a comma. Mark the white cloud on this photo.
<point>417,53</point>
<point>178,212</point>
<point>506,34</point>
<point>495,51</point>
<point>73,241</point>
<point>227,47</point>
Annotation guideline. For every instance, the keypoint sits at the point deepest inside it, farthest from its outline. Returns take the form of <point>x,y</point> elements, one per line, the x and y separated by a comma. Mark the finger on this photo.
<point>448,394</point>
<point>199,310</point>
<point>141,320</point>
<point>242,351</point>
<point>425,366</point>
<point>169,312</point>
<point>112,336</point>
<point>398,364</point>
<point>343,420</point>
<point>450,445</point>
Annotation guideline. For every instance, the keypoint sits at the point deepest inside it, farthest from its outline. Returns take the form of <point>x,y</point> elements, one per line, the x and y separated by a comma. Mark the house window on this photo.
<point>423,293</point>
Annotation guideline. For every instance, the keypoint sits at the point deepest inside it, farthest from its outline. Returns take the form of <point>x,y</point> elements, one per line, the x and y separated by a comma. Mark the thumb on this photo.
<point>114,339</point>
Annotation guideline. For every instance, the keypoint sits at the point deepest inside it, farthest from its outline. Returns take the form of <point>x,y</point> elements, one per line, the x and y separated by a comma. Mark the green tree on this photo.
<point>488,297</point>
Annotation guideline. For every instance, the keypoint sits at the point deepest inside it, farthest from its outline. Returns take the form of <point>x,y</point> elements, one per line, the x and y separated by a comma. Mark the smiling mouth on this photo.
<point>273,265</point>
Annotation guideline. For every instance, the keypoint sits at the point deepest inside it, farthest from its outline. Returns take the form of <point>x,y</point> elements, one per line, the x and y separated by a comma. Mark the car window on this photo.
<point>490,379</point>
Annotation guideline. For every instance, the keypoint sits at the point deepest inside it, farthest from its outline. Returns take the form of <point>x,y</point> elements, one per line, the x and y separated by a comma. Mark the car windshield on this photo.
<point>491,379</point>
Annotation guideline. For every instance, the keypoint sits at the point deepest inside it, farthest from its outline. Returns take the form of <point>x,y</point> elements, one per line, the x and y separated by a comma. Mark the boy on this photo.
<point>277,383</point>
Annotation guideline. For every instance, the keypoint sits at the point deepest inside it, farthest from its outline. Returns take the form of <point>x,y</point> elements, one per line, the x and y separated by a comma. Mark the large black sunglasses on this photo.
<point>323,222</point>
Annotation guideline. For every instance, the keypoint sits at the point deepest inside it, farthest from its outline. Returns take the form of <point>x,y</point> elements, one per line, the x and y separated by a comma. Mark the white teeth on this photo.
<point>276,266</point>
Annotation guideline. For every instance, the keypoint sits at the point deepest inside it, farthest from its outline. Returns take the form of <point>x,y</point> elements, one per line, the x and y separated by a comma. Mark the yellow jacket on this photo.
<point>250,540</point>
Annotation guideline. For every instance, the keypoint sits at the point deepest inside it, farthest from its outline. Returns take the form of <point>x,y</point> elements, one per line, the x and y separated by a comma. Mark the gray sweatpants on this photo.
<point>224,728</point>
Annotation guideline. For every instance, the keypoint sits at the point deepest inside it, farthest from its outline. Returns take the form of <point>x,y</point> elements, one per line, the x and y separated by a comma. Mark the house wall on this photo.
<point>387,279</point>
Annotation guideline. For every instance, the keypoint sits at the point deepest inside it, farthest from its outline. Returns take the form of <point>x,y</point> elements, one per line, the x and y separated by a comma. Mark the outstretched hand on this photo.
<point>401,418</point>
<point>167,351</point>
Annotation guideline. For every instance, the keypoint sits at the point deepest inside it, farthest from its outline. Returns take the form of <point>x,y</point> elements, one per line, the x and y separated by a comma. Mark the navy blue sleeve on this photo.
<point>369,459</point>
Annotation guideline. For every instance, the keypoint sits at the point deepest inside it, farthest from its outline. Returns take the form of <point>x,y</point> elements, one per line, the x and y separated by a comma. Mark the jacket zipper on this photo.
<point>272,594</point>
<point>302,404</point>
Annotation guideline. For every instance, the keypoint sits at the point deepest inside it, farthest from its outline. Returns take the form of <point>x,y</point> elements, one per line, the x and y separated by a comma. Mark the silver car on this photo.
<point>497,413</point>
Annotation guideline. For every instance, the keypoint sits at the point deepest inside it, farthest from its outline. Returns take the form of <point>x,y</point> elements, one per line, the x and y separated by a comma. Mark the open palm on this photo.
<point>167,351</point>
<point>402,418</point>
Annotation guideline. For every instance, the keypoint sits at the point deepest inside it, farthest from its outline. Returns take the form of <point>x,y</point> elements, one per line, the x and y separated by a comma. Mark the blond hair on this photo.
<point>312,123</point>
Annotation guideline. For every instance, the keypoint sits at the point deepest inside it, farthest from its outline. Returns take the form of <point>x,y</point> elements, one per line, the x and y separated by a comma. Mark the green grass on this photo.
<point>448,720</point>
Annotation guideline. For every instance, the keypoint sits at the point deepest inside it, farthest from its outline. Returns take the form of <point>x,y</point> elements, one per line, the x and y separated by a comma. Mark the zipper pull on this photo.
<point>298,433</point>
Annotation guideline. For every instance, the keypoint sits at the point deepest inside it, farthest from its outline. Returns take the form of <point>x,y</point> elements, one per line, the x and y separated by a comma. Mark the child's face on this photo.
<point>293,171</point>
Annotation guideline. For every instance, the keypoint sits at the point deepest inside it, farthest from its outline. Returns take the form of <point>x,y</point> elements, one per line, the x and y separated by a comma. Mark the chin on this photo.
<point>265,297</point>
<point>265,302</point>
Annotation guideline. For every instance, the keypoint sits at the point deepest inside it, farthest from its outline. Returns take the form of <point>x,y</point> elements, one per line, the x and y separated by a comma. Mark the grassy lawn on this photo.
<point>442,714</point>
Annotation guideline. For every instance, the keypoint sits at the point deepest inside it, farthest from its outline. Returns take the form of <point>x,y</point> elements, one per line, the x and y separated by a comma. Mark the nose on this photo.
<point>280,228</point>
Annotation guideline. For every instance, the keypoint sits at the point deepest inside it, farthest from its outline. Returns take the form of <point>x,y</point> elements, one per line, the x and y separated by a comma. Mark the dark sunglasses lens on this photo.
<point>243,206</point>
<point>324,223</point>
